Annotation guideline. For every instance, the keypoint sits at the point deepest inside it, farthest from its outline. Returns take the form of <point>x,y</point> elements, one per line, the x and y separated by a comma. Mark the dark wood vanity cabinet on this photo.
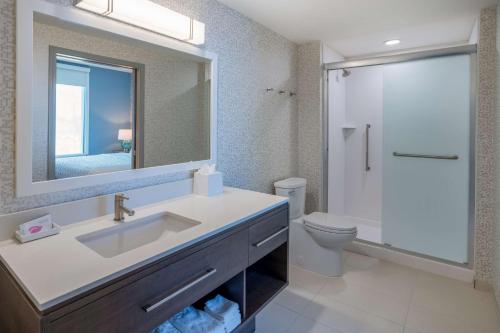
<point>265,237</point>
<point>149,300</point>
<point>247,263</point>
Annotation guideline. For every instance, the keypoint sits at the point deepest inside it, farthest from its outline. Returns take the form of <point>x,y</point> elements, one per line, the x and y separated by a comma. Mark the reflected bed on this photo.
<point>75,166</point>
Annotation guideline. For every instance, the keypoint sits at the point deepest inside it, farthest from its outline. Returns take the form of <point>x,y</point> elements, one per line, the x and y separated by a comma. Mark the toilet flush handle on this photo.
<point>291,192</point>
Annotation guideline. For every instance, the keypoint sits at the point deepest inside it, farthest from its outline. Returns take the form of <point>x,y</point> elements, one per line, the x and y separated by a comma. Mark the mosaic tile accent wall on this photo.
<point>485,147</point>
<point>496,261</point>
<point>257,131</point>
<point>309,98</point>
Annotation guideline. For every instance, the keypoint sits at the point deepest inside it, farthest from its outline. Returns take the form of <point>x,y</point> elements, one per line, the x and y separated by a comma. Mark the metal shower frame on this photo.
<point>470,49</point>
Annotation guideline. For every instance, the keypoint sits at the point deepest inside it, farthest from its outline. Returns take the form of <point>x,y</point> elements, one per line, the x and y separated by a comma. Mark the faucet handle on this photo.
<point>122,196</point>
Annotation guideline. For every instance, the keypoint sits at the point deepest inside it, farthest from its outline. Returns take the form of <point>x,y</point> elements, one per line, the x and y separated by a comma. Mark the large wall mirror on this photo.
<point>108,101</point>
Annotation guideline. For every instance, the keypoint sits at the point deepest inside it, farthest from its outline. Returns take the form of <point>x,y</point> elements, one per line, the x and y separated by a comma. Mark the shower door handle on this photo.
<point>367,148</point>
<point>436,157</point>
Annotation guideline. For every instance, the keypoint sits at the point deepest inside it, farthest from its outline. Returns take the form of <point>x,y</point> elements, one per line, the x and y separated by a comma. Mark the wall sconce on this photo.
<point>150,16</point>
<point>125,138</point>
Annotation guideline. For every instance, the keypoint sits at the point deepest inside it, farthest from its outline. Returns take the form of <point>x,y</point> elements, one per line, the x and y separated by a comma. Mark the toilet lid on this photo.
<point>329,222</point>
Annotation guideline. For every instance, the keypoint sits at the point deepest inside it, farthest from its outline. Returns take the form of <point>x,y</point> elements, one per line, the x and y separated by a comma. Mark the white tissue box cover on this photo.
<point>31,237</point>
<point>208,185</point>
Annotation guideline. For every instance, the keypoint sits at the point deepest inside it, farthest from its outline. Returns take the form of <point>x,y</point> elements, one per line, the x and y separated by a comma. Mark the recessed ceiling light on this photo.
<point>392,42</point>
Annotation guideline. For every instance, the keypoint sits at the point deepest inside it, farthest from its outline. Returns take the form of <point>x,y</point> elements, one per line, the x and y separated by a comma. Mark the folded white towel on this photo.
<point>166,327</point>
<point>224,310</point>
<point>191,320</point>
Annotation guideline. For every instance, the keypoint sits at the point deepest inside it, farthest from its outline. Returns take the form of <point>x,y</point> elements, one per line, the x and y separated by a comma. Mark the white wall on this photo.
<point>364,99</point>
<point>329,55</point>
<point>474,35</point>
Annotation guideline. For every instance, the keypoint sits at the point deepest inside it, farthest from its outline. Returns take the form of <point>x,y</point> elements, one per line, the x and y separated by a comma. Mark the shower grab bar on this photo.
<point>367,151</point>
<point>436,157</point>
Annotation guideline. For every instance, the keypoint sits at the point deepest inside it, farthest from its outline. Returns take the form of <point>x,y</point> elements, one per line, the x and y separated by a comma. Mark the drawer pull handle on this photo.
<point>210,272</point>
<point>276,234</point>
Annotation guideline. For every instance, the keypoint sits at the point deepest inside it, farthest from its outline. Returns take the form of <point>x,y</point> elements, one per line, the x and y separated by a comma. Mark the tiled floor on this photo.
<point>375,296</point>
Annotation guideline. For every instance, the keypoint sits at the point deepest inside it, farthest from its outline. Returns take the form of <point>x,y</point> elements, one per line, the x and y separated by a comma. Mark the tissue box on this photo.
<point>208,185</point>
<point>31,237</point>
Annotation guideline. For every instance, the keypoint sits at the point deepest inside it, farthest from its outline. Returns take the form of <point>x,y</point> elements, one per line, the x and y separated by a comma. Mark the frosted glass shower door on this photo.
<point>425,205</point>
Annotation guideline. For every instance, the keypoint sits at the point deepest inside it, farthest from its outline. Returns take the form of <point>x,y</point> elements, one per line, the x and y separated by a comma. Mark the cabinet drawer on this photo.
<point>145,303</point>
<point>267,234</point>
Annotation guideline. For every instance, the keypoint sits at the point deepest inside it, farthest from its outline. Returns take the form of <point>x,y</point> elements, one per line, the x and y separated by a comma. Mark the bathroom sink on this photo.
<point>127,236</point>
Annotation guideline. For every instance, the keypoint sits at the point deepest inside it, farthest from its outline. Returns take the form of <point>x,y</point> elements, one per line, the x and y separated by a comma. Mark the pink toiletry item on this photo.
<point>39,225</point>
<point>35,229</point>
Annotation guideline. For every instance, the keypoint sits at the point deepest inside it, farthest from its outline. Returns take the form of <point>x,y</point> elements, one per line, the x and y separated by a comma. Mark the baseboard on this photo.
<point>428,265</point>
<point>483,285</point>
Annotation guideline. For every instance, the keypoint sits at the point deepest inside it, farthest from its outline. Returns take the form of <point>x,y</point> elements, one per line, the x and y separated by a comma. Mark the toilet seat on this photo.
<point>329,223</point>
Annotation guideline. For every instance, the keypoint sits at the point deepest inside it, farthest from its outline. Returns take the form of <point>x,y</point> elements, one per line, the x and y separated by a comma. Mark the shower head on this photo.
<point>345,72</point>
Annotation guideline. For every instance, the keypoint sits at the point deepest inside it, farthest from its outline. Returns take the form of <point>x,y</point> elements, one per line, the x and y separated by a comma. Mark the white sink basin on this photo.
<point>127,236</point>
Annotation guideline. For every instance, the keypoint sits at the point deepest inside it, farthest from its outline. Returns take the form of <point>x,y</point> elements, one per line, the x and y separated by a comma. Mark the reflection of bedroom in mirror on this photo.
<point>103,103</point>
<point>92,106</point>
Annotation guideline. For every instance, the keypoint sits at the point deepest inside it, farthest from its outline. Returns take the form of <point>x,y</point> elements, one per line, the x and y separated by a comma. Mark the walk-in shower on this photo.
<point>400,150</point>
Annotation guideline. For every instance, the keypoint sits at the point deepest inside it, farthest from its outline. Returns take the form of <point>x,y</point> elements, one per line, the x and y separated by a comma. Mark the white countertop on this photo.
<point>55,268</point>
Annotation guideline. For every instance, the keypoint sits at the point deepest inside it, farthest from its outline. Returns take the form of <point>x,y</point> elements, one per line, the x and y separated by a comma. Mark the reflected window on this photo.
<point>91,119</point>
<point>72,114</point>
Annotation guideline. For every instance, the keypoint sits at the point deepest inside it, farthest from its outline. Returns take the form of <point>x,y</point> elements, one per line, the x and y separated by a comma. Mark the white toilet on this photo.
<point>317,240</point>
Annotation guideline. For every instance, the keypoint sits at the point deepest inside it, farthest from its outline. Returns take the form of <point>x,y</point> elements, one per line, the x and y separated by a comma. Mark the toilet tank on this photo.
<point>295,190</point>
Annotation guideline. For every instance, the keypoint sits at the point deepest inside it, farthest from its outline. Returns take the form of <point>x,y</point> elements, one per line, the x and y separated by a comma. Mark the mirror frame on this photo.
<point>26,10</point>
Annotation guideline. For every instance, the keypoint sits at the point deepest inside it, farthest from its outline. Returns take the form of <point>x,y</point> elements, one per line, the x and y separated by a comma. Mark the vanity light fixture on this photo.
<point>392,42</point>
<point>150,16</point>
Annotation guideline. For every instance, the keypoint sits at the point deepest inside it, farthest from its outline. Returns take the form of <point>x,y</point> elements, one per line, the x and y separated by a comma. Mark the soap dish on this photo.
<point>28,238</point>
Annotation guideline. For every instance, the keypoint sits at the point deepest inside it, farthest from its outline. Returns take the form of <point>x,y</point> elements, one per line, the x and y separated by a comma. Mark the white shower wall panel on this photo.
<point>336,142</point>
<point>364,105</point>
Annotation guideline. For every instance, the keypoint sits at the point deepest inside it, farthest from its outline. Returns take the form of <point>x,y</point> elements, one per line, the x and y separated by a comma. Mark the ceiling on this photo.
<point>359,27</point>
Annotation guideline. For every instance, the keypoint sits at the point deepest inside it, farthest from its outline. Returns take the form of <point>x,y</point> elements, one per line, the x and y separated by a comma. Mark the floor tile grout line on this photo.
<point>293,322</point>
<point>304,307</point>
<point>297,315</point>
<point>413,288</point>
<point>360,309</point>
<point>284,307</point>
<point>369,312</point>
<point>449,315</point>
<point>411,301</point>
<point>317,321</point>
<point>383,292</point>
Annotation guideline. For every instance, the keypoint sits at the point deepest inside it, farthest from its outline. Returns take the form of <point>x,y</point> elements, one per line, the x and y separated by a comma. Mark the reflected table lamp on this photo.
<point>125,138</point>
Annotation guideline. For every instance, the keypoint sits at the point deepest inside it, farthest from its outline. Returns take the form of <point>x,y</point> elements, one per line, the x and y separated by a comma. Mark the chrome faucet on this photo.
<point>120,208</point>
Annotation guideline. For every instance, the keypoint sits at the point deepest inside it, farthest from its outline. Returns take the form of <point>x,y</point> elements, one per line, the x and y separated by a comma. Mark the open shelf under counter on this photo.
<point>261,288</point>
<point>266,279</point>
